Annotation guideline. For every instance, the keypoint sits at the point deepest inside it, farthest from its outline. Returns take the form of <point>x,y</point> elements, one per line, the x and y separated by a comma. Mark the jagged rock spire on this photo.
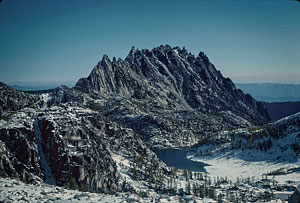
<point>192,81</point>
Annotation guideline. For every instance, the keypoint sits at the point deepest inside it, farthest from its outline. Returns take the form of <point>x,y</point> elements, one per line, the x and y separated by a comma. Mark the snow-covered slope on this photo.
<point>16,191</point>
<point>271,150</point>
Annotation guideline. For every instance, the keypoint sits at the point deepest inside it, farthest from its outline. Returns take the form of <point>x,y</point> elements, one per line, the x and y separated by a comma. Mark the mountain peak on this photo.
<point>132,50</point>
<point>174,76</point>
<point>105,58</point>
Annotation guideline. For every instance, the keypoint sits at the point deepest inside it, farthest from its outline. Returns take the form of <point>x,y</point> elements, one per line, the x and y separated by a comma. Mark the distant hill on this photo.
<point>34,87</point>
<point>272,92</point>
<point>278,110</point>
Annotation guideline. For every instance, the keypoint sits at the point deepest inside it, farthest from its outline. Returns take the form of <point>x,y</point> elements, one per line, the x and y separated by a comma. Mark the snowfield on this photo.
<point>264,158</point>
<point>255,153</point>
<point>17,191</point>
<point>234,168</point>
<point>254,163</point>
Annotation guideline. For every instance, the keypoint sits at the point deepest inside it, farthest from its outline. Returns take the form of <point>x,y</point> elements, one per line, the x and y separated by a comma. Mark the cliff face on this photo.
<point>66,146</point>
<point>174,78</point>
<point>57,138</point>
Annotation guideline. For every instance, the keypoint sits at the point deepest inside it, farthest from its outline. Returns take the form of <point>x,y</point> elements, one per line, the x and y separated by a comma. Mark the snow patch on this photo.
<point>49,178</point>
<point>17,191</point>
<point>288,118</point>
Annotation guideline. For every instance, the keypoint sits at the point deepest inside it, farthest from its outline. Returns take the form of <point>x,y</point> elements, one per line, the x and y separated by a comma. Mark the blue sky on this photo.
<point>57,41</point>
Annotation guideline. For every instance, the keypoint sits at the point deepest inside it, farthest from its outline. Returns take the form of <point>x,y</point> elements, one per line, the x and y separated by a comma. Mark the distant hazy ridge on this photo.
<point>272,92</point>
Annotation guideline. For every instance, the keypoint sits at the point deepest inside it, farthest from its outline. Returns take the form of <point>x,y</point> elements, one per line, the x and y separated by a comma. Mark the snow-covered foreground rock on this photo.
<point>12,190</point>
<point>16,191</point>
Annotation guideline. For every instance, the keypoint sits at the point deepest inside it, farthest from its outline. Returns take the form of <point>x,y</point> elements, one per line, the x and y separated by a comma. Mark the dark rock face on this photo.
<point>278,110</point>
<point>19,154</point>
<point>77,153</point>
<point>295,198</point>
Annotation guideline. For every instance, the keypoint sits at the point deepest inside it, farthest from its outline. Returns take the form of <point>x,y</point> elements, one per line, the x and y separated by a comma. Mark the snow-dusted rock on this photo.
<point>295,198</point>
<point>172,93</point>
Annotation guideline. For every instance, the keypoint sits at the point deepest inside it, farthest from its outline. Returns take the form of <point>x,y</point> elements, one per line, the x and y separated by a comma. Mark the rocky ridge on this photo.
<point>13,100</point>
<point>174,78</point>
<point>173,91</point>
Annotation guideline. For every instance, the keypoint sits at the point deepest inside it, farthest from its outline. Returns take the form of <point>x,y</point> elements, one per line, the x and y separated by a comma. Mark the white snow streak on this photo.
<point>49,178</point>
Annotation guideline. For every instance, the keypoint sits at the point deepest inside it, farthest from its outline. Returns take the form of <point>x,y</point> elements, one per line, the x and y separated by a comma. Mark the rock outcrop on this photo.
<point>13,100</point>
<point>62,142</point>
<point>295,198</point>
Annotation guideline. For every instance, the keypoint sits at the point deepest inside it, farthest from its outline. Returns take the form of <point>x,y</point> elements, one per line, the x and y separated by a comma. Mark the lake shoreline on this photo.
<point>177,157</point>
